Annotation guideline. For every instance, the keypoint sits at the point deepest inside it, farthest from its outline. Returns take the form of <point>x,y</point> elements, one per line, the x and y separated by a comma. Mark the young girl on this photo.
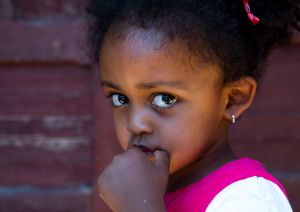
<point>178,73</point>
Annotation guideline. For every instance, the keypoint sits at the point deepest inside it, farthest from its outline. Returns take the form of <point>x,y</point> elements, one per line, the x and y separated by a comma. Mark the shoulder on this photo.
<point>250,194</point>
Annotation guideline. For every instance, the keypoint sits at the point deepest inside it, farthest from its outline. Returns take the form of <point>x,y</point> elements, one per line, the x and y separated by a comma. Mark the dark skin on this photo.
<point>122,188</point>
<point>216,157</point>
<point>171,114</point>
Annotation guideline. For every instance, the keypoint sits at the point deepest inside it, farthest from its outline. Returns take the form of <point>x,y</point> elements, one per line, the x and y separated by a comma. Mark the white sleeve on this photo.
<point>249,195</point>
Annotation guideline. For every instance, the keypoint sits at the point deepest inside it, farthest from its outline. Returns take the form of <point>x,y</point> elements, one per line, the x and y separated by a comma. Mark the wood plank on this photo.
<point>270,138</point>
<point>42,160</point>
<point>279,62</point>
<point>56,89</point>
<point>33,199</point>
<point>47,125</point>
<point>36,9</point>
<point>259,128</point>
<point>42,41</point>
<point>277,98</point>
<point>6,9</point>
<point>56,103</point>
<point>52,8</point>
<point>278,91</point>
<point>44,78</point>
<point>275,154</point>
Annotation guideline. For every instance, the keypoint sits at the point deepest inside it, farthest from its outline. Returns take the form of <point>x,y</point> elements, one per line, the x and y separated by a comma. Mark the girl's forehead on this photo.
<point>135,43</point>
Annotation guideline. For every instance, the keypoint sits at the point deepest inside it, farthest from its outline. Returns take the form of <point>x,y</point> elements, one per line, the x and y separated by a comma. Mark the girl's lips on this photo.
<point>146,149</point>
<point>149,152</point>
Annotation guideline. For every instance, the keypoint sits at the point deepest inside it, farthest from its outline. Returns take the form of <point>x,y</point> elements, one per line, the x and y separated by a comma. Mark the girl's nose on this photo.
<point>139,121</point>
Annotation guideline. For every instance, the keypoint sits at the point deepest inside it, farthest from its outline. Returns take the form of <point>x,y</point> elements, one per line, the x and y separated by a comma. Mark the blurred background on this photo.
<point>56,131</point>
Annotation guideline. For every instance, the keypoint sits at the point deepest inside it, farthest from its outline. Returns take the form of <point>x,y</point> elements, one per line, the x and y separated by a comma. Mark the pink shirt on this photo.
<point>197,196</point>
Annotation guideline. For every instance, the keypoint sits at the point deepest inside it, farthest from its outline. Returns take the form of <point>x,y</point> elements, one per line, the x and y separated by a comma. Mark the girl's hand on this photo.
<point>134,182</point>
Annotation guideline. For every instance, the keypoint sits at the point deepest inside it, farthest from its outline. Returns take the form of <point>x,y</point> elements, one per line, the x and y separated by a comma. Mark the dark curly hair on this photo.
<point>216,30</point>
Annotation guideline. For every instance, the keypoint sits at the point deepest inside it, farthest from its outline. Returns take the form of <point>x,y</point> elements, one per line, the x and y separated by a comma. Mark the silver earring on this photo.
<point>233,119</point>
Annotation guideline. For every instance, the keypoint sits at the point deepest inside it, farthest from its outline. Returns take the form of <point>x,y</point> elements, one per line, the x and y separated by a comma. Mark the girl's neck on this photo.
<point>218,155</point>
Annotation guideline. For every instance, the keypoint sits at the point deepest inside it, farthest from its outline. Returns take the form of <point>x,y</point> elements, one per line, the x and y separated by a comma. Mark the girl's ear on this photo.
<point>240,96</point>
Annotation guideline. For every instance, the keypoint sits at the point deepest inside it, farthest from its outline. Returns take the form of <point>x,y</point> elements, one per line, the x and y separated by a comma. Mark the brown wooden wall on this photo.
<point>46,108</point>
<point>56,132</point>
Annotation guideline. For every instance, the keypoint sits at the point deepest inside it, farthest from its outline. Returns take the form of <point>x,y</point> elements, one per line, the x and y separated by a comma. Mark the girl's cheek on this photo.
<point>123,139</point>
<point>121,132</point>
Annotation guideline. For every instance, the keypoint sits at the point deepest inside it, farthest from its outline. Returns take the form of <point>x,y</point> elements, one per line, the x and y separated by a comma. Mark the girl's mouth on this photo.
<point>149,152</point>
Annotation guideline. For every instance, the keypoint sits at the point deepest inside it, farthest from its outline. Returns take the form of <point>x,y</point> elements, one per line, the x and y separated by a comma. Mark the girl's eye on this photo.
<point>119,100</point>
<point>164,100</point>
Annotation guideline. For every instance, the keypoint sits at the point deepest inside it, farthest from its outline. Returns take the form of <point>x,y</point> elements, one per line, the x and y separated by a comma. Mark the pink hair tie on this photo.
<point>254,20</point>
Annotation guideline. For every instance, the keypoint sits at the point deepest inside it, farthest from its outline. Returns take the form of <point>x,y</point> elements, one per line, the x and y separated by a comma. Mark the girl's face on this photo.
<point>162,97</point>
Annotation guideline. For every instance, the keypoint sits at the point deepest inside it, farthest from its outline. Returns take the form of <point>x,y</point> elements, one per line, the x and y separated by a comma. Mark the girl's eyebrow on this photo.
<point>149,85</point>
<point>155,84</point>
<point>110,84</point>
